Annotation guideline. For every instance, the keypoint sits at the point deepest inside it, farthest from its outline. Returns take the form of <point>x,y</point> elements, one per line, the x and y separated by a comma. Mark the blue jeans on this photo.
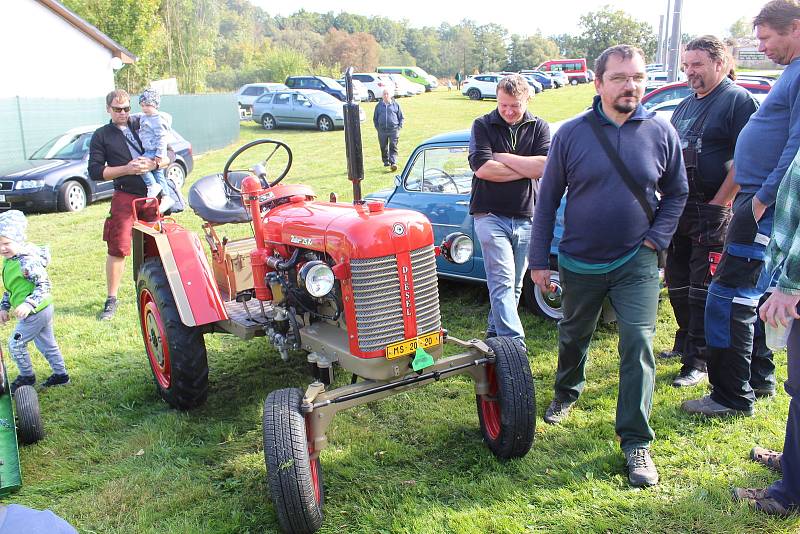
<point>504,241</point>
<point>156,176</point>
<point>787,490</point>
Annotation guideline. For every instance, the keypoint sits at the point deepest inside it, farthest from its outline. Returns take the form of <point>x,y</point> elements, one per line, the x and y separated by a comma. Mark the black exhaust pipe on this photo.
<point>352,138</point>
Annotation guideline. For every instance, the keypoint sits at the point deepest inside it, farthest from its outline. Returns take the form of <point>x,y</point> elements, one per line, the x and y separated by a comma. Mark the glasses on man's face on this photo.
<point>125,109</point>
<point>622,79</point>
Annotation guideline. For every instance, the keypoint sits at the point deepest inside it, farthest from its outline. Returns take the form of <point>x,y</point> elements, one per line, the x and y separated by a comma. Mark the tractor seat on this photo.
<point>213,201</point>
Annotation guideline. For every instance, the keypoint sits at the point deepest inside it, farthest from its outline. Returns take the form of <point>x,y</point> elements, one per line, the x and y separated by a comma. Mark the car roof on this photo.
<point>265,84</point>
<point>459,136</point>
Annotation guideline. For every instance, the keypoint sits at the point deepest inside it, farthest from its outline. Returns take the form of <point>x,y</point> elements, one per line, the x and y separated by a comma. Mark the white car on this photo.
<point>359,90</point>
<point>405,87</point>
<point>480,86</point>
<point>249,93</point>
<point>375,84</point>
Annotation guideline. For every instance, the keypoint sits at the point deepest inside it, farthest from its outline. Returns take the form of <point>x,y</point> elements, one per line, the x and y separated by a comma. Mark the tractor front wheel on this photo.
<point>177,353</point>
<point>295,480</point>
<point>29,419</point>
<point>507,413</point>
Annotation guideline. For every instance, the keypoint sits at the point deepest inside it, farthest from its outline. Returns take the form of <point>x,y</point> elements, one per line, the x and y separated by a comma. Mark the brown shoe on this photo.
<point>758,499</point>
<point>766,457</point>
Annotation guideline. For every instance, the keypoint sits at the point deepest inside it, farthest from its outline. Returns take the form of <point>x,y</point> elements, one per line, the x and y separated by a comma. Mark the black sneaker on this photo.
<point>109,309</point>
<point>641,469</point>
<point>56,380</point>
<point>689,376</point>
<point>557,411</point>
<point>21,380</point>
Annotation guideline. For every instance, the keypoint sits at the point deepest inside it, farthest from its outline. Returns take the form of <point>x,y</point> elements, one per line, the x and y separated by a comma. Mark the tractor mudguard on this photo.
<point>190,277</point>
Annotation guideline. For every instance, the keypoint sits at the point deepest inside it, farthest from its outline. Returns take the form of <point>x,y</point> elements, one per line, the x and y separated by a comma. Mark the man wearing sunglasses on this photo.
<point>115,154</point>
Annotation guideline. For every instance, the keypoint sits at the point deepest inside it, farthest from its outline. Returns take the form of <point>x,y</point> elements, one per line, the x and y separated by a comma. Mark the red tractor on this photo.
<point>353,286</point>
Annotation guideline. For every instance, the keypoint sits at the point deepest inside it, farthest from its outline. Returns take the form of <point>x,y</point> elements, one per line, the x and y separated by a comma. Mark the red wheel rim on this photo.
<point>490,407</point>
<point>313,465</point>
<point>155,339</point>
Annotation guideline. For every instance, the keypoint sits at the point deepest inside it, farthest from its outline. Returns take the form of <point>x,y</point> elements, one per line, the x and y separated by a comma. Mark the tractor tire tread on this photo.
<point>29,418</point>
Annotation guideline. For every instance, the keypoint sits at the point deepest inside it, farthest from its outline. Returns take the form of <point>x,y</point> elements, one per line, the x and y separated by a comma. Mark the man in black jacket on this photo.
<point>115,154</point>
<point>507,152</point>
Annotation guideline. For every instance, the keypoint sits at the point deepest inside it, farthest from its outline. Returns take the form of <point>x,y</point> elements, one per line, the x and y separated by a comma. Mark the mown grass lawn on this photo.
<point>118,460</point>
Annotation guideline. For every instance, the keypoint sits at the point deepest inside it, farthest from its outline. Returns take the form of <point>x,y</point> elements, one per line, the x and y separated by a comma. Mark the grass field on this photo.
<point>118,460</point>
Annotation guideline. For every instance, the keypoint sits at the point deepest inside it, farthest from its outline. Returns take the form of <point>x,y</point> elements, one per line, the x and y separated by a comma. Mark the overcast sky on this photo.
<point>551,17</point>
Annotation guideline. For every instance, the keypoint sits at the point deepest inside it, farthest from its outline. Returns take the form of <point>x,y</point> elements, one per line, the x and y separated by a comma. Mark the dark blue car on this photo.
<point>546,81</point>
<point>320,83</point>
<point>55,177</point>
<point>437,182</point>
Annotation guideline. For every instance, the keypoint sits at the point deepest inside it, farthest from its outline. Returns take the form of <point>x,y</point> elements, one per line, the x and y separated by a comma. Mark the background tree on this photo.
<point>490,47</point>
<point>530,52</point>
<point>607,27</point>
<point>742,28</point>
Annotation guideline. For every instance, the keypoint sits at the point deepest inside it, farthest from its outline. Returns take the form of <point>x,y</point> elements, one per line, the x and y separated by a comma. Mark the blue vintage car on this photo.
<point>437,181</point>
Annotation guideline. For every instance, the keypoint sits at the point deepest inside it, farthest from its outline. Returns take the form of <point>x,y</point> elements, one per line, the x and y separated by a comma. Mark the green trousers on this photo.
<point>633,291</point>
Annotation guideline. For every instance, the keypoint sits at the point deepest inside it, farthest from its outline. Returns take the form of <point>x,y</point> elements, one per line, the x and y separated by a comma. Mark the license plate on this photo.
<point>410,346</point>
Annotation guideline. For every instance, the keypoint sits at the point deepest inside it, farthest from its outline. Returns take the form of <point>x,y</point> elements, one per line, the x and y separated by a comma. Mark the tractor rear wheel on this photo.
<point>295,481</point>
<point>507,414</point>
<point>29,419</point>
<point>177,353</point>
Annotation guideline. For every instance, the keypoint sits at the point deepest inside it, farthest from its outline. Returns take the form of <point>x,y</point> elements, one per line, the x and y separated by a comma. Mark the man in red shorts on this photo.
<point>115,154</point>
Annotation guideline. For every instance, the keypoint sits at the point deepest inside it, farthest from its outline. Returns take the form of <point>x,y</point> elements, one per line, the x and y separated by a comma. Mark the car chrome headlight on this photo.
<point>457,248</point>
<point>316,278</point>
<point>29,184</point>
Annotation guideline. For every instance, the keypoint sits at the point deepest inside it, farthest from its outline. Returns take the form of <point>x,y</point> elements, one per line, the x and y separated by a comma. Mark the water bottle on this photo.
<point>777,336</point>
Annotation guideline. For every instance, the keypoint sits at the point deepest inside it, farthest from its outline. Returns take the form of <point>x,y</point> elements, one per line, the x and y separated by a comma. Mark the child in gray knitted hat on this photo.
<point>27,296</point>
<point>152,131</point>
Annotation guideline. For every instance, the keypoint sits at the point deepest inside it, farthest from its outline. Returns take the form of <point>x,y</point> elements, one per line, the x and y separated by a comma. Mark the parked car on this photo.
<point>319,83</point>
<point>300,107</point>
<point>437,181</point>
<point>678,90</point>
<point>405,87</point>
<point>482,86</point>
<point>589,75</point>
<point>542,79</point>
<point>55,177</point>
<point>359,89</point>
<point>375,83</point>
<point>250,92</point>
<point>666,108</point>
<point>412,74</point>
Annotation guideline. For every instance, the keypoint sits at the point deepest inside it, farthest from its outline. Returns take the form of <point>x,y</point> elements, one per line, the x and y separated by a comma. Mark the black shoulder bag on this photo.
<point>625,174</point>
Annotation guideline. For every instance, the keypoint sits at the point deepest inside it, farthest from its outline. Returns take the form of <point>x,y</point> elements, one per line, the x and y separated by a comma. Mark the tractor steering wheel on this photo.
<point>260,169</point>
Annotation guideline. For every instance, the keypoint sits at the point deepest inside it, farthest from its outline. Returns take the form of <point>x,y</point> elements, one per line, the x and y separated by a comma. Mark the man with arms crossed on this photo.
<point>609,246</point>
<point>507,151</point>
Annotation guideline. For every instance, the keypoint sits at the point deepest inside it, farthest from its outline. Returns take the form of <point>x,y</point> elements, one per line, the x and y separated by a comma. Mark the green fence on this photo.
<point>207,121</point>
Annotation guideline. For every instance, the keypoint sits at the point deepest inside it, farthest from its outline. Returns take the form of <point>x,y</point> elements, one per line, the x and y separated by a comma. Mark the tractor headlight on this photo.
<point>316,278</point>
<point>457,248</point>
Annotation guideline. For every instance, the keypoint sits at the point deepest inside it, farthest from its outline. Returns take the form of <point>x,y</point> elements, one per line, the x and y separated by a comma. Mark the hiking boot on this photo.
<point>710,408</point>
<point>669,354</point>
<point>109,309</point>
<point>557,411</point>
<point>22,380</point>
<point>393,167</point>
<point>689,376</point>
<point>766,457</point>
<point>153,190</point>
<point>759,499</point>
<point>56,380</point>
<point>641,469</point>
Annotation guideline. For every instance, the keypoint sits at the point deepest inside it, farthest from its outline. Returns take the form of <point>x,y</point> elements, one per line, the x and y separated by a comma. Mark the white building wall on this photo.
<point>45,56</point>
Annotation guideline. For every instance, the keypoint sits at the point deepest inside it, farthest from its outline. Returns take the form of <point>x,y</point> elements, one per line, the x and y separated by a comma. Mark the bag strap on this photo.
<point>623,171</point>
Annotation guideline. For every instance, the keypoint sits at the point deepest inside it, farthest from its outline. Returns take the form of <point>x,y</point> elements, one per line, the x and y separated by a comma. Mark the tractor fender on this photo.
<point>190,277</point>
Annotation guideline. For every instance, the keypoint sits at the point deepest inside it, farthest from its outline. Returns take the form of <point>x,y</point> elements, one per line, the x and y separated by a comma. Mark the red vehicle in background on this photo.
<point>575,69</point>
<point>675,90</point>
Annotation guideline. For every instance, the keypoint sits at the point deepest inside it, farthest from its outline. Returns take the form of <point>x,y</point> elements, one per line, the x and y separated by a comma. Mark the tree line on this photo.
<point>218,45</point>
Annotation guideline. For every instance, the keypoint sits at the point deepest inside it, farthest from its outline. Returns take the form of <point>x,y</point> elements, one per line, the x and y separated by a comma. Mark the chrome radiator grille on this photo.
<point>379,309</point>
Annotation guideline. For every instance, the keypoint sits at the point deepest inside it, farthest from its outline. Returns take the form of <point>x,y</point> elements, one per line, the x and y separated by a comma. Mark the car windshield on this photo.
<point>321,99</point>
<point>67,146</point>
<point>441,170</point>
<point>330,82</point>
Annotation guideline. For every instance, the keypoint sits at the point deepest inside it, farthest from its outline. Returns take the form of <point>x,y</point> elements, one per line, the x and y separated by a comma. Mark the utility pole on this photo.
<point>675,42</point>
<point>658,58</point>
<point>665,42</point>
